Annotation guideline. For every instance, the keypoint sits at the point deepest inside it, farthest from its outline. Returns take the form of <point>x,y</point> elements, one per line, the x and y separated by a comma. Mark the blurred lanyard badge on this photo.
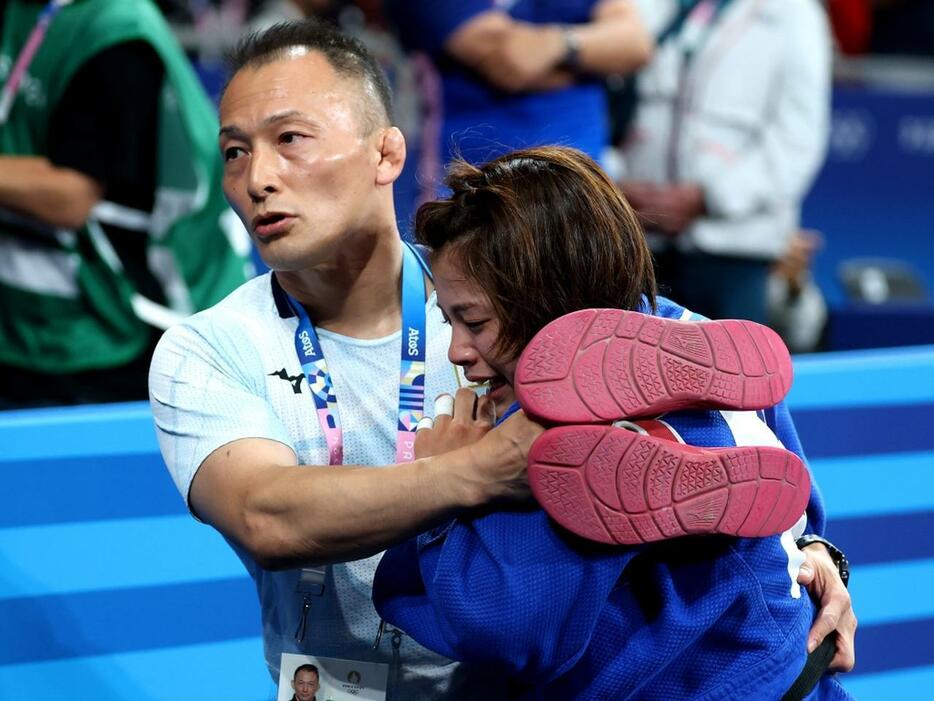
<point>311,582</point>
<point>26,54</point>
<point>338,680</point>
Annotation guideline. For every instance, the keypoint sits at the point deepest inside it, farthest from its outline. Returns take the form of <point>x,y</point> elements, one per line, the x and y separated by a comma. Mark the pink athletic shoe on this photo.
<point>613,485</point>
<point>600,365</point>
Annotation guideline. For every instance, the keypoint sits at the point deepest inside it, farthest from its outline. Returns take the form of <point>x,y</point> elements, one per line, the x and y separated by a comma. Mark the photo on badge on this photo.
<point>309,678</point>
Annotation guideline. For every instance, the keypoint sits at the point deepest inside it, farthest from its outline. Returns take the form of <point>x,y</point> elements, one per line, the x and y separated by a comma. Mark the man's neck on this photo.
<point>358,294</point>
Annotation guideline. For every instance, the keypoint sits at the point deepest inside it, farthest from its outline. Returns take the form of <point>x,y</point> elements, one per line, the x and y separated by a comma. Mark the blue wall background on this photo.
<point>110,590</point>
<point>874,198</point>
<point>875,194</point>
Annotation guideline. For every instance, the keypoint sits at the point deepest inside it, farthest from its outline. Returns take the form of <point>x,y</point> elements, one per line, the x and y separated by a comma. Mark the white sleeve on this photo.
<point>780,167</point>
<point>203,398</point>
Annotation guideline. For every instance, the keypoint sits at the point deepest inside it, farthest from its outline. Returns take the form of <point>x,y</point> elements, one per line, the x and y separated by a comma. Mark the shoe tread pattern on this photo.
<point>631,475</point>
<point>685,379</point>
<point>563,495</point>
<point>619,379</point>
<point>603,465</point>
<point>622,364</point>
<point>550,357</point>
<point>697,475</point>
<point>668,523</point>
<point>602,328</point>
<point>618,525</point>
<point>572,449</point>
<point>661,478</point>
<point>590,385</point>
<point>616,486</point>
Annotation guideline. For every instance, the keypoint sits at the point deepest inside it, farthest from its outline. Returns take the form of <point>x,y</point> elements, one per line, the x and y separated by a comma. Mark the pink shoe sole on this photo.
<point>613,485</point>
<point>599,365</point>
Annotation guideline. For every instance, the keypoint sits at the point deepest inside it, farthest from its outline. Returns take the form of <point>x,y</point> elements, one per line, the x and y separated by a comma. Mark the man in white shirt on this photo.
<point>310,159</point>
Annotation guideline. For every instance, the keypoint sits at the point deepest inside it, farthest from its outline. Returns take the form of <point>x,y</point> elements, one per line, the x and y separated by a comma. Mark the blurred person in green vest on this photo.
<point>112,221</point>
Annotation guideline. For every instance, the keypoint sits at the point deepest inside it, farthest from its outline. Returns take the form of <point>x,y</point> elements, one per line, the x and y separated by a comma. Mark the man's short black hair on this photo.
<point>305,668</point>
<point>346,54</point>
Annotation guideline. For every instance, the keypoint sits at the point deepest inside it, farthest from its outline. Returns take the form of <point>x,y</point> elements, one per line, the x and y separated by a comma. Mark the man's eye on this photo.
<point>232,153</point>
<point>290,137</point>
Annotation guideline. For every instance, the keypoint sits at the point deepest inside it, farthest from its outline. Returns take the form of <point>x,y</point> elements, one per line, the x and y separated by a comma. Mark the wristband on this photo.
<point>839,559</point>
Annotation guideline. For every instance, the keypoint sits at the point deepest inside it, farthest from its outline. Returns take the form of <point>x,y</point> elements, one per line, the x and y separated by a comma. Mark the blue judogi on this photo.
<point>698,617</point>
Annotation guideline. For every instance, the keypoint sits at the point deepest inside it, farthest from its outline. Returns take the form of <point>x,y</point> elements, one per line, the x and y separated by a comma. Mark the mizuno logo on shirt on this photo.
<point>296,380</point>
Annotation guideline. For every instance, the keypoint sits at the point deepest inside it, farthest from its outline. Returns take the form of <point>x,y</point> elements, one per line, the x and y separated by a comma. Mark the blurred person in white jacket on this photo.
<point>730,129</point>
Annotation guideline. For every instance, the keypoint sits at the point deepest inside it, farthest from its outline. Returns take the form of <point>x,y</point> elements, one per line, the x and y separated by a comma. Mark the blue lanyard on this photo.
<point>411,369</point>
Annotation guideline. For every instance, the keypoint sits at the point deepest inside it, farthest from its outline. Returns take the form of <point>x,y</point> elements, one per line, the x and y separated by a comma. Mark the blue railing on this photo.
<point>110,590</point>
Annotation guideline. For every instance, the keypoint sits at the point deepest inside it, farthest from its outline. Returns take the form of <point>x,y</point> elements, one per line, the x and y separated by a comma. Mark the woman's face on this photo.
<point>474,330</point>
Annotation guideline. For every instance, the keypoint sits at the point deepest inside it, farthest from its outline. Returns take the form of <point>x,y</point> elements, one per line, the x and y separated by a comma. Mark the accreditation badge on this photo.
<point>338,680</point>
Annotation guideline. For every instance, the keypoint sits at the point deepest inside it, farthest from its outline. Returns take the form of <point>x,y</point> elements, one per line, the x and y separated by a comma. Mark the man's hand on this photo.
<point>680,205</point>
<point>517,56</point>
<point>819,574</point>
<point>496,458</point>
<point>501,457</point>
<point>471,419</point>
<point>639,193</point>
<point>795,265</point>
<point>526,59</point>
<point>669,209</point>
<point>61,197</point>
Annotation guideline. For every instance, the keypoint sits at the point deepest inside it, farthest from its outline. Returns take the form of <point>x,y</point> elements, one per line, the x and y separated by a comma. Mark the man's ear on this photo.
<point>391,156</point>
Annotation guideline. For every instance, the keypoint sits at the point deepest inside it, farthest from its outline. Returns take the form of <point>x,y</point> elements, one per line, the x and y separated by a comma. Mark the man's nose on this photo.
<point>263,174</point>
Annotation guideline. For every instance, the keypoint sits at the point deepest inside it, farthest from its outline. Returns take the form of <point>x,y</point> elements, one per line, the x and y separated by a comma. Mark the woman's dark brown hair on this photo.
<point>543,232</point>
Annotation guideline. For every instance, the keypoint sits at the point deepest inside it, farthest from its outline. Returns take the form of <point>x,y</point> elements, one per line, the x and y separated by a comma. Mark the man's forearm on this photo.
<point>332,514</point>
<point>518,56</point>
<point>615,42</point>
<point>286,515</point>
<point>33,186</point>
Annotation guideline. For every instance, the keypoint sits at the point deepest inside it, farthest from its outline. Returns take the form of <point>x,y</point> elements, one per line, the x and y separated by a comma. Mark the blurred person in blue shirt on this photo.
<point>520,73</point>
